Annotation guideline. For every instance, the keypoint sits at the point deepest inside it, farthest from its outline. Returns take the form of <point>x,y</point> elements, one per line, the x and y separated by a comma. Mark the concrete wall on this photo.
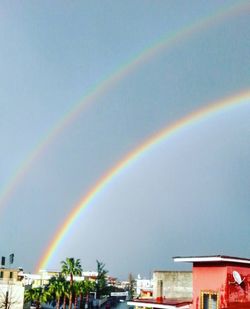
<point>173,284</point>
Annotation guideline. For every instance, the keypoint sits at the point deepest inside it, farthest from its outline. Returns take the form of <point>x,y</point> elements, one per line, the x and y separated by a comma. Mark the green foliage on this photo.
<point>131,286</point>
<point>63,291</point>
<point>101,280</point>
<point>58,287</point>
<point>71,268</point>
<point>37,295</point>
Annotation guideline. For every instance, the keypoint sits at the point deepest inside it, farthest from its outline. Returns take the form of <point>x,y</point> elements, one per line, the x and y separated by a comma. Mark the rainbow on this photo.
<point>202,114</point>
<point>109,82</point>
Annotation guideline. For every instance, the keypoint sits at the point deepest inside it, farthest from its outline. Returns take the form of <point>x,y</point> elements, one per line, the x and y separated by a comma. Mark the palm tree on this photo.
<point>81,292</point>
<point>71,267</point>
<point>88,286</point>
<point>66,293</point>
<point>45,295</point>
<point>38,295</point>
<point>82,288</point>
<point>29,295</point>
<point>77,287</point>
<point>56,288</point>
<point>101,280</point>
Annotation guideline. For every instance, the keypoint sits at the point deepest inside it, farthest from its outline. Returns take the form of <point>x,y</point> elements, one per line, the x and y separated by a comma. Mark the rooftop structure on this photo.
<point>219,282</point>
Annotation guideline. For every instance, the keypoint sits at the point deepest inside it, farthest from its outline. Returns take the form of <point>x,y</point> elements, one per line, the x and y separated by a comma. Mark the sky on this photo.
<point>188,195</point>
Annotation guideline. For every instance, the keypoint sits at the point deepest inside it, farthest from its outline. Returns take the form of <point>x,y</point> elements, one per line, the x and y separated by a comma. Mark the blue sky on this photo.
<point>186,196</point>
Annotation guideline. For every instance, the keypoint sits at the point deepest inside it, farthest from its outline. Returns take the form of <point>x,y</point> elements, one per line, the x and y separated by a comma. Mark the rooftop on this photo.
<point>165,304</point>
<point>211,258</point>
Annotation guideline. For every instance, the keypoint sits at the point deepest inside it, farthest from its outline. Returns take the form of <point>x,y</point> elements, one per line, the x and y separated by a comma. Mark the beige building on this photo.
<point>10,274</point>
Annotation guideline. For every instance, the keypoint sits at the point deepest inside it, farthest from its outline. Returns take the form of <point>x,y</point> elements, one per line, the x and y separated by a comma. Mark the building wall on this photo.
<point>172,284</point>
<point>207,279</point>
<point>218,280</point>
<point>15,292</point>
<point>9,274</point>
<point>143,284</point>
<point>238,296</point>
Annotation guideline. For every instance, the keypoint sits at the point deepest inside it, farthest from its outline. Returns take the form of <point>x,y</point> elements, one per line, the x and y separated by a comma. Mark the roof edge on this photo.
<point>211,258</point>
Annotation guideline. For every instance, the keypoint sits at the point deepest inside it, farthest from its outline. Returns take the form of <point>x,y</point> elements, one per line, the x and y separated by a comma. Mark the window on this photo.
<point>214,301</point>
<point>209,300</point>
<point>11,274</point>
<point>1,274</point>
<point>205,301</point>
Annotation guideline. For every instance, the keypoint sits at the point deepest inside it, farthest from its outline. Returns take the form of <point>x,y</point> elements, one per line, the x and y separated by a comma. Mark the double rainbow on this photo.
<point>202,114</point>
<point>109,83</point>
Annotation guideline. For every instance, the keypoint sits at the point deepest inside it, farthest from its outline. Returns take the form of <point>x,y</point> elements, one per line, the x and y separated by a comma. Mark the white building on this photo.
<point>11,289</point>
<point>143,285</point>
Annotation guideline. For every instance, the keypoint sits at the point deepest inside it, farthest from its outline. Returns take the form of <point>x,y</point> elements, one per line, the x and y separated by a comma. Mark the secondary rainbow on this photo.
<point>110,81</point>
<point>204,113</point>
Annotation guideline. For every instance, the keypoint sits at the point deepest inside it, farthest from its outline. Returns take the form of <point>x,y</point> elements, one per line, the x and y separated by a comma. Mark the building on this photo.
<point>40,279</point>
<point>171,289</point>
<point>10,274</point>
<point>172,285</point>
<point>11,288</point>
<point>144,287</point>
<point>43,277</point>
<point>216,282</point>
<point>219,282</point>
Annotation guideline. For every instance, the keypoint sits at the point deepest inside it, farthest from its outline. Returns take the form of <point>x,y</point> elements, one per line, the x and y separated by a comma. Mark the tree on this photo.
<point>29,295</point>
<point>78,288</point>
<point>71,268</point>
<point>66,293</point>
<point>131,286</point>
<point>87,287</point>
<point>8,297</point>
<point>57,288</point>
<point>38,295</point>
<point>101,280</point>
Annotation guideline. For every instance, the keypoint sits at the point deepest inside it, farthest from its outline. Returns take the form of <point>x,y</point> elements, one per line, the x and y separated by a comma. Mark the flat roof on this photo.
<point>211,258</point>
<point>165,304</point>
<point>172,271</point>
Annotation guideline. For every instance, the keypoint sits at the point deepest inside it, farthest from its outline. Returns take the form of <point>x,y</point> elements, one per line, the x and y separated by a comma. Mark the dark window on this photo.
<point>214,301</point>
<point>209,300</point>
<point>1,274</point>
<point>205,301</point>
<point>11,275</point>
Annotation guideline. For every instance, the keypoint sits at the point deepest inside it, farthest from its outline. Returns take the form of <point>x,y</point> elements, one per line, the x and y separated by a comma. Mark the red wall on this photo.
<point>238,296</point>
<point>218,278</point>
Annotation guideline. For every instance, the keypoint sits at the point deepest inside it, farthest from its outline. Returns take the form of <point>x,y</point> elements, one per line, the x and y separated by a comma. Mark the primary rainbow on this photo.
<point>109,82</point>
<point>204,113</point>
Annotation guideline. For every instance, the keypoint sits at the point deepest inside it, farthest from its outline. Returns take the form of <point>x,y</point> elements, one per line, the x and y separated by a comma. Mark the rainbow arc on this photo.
<point>228,104</point>
<point>108,83</point>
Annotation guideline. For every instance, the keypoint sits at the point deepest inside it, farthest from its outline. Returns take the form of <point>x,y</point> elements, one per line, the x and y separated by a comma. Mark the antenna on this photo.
<point>237,277</point>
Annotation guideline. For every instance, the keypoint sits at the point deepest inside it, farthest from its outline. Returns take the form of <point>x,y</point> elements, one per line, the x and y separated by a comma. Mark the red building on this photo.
<point>219,282</point>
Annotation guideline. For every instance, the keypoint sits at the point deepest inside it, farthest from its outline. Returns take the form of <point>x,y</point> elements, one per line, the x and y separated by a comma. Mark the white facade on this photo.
<point>143,284</point>
<point>13,293</point>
